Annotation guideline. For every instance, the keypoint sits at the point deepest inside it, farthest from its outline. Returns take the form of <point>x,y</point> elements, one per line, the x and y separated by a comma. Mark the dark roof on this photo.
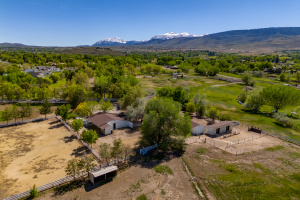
<point>34,74</point>
<point>194,124</point>
<point>101,119</point>
<point>220,124</point>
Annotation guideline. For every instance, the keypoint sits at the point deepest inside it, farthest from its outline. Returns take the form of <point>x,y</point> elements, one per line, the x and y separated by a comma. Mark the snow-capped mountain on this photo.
<point>118,41</point>
<point>110,41</point>
<point>172,35</point>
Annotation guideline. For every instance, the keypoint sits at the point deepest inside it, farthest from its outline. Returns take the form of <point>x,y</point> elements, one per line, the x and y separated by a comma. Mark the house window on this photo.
<point>218,131</point>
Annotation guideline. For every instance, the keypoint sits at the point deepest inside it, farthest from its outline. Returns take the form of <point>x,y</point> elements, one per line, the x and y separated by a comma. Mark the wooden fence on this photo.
<point>25,121</point>
<point>79,139</point>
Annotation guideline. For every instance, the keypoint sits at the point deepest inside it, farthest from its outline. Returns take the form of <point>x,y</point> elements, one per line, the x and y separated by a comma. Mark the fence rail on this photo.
<point>79,139</point>
<point>25,121</point>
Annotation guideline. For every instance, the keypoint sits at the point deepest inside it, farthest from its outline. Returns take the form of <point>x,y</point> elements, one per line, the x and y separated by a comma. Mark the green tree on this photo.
<point>254,101</point>
<point>190,107</point>
<point>105,152</point>
<point>73,167</point>
<point>26,111</point>
<point>117,150</point>
<point>77,124</point>
<point>297,76</point>
<point>105,106</point>
<point>101,85</point>
<point>247,78</point>
<point>54,78</point>
<point>200,102</point>
<point>63,111</point>
<point>179,94</point>
<point>86,108</point>
<point>135,112</point>
<point>131,96</point>
<point>6,114</point>
<point>46,108</point>
<point>280,96</point>
<point>15,112</point>
<point>162,121</point>
<point>212,114</point>
<point>89,136</point>
<point>75,94</point>
<point>87,163</point>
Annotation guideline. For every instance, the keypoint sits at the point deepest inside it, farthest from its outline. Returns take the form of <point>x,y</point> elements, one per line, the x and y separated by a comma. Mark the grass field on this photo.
<point>223,96</point>
<point>264,174</point>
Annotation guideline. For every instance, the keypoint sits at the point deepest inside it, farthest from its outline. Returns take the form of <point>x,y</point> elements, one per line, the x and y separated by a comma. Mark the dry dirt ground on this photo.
<point>245,141</point>
<point>135,181</point>
<point>34,153</point>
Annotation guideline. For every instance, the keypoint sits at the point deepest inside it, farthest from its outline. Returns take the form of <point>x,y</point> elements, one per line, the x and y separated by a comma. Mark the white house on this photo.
<point>220,128</point>
<point>197,129</point>
<point>107,122</point>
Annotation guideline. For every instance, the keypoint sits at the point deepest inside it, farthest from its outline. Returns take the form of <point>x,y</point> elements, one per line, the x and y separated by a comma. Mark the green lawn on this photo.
<point>59,84</point>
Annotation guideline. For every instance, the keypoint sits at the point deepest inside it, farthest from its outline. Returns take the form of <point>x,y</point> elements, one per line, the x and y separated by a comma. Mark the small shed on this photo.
<point>197,129</point>
<point>220,128</point>
<point>104,173</point>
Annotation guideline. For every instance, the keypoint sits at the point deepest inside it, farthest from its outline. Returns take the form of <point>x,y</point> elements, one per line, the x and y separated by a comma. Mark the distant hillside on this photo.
<point>91,51</point>
<point>6,44</point>
<point>253,39</point>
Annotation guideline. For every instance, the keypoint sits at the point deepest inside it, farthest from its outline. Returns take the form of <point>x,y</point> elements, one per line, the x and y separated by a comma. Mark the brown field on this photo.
<point>134,181</point>
<point>34,153</point>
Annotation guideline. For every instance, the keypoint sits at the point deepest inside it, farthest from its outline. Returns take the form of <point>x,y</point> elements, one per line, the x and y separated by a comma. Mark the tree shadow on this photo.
<point>68,139</point>
<point>54,122</point>
<point>56,126</point>
<point>80,151</point>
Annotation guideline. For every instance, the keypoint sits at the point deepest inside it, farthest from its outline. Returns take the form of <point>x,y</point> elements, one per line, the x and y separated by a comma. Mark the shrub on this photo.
<point>163,169</point>
<point>242,97</point>
<point>33,192</point>
<point>201,150</point>
<point>278,147</point>
<point>142,197</point>
<point>248,79</point>
<point>283,119</point>
<point>224,117</point>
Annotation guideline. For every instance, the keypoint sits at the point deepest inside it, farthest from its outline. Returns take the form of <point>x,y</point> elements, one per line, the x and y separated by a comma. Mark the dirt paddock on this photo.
<point>34,153</point>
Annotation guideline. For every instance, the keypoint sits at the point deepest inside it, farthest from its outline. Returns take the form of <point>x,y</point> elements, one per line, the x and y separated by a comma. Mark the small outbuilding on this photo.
<point>103,174</point>
<point>220,128</point>
<point>107,122</point>
<point>197,129</point>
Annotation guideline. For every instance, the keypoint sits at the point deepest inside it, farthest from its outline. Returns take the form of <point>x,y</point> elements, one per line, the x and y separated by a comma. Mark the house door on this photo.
<point>227,128</point>
<point>114,125</point>
<point>218,131</point>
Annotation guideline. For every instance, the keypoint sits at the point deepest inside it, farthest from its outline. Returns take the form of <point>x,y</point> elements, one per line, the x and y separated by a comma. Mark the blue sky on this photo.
<point>81,22</point>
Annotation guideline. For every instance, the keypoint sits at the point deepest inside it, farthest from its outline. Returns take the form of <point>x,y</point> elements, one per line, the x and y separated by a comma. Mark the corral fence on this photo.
<point>145,150</point>
<point>296,142</point>
<point>79,139</point>
<point>25,121</point>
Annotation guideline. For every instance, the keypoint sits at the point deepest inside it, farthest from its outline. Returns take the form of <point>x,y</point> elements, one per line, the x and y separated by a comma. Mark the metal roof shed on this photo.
<point>101,172</point>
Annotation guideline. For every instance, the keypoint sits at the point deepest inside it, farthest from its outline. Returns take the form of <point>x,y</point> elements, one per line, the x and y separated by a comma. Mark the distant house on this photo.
<point>28,70</point>
<point>197,129</point>
<point>174,67</point>
<point>107,122</point>
<point>219,128</point>
<point>36,74</point>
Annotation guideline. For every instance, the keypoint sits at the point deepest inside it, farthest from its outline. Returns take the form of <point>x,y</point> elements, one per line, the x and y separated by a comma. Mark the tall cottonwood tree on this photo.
<point>163,121</point>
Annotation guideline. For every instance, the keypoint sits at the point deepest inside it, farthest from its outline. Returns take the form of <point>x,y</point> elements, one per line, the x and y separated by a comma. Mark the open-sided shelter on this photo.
<point>103,174</point>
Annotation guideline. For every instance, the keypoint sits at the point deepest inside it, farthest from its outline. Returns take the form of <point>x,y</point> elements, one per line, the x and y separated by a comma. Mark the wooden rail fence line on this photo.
<point>25,121</point>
